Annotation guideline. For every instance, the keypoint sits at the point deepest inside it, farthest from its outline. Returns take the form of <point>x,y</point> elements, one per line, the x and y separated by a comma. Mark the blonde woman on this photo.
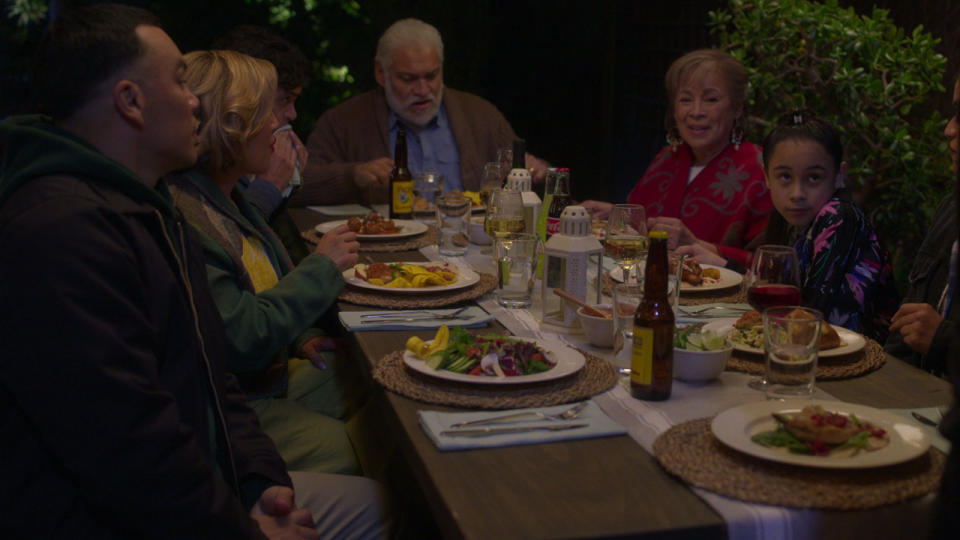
<point>268,306</point>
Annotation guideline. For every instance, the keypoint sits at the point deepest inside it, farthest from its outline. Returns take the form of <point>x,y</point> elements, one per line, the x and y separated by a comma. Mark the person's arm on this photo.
<point>82,368</point>
<point>328,177</point>
<point>263,196</point>
<point>260,325</point>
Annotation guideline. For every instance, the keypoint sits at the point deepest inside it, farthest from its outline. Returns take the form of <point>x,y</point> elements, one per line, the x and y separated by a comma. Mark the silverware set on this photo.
<point>409,316</point>
<point>526,416</point>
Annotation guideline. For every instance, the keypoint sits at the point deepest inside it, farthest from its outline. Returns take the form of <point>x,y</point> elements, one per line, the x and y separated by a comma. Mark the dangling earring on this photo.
<point>736,136</point>
<point>674,139</point>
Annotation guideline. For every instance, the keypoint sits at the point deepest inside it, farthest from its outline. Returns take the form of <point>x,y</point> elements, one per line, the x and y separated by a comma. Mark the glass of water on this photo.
<point>426,188</point>
<point>453,224</point>
<point>626,298</point>
<point>791,339</point>
<point>516,260</point>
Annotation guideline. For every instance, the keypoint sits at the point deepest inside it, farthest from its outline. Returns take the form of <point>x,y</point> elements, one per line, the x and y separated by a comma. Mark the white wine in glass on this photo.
<point>626,238</point>
<point>504,214</point>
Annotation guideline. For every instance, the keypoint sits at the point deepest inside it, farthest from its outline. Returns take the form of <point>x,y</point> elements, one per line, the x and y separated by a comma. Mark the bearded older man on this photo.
<point>453,132</point>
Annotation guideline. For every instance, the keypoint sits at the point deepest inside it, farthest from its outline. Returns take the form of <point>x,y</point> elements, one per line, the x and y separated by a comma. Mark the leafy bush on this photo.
<point>867,77</point>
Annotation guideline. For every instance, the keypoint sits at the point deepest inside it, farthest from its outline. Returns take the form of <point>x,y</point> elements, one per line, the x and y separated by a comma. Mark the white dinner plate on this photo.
<point>728,278</point>
<point>734,427</point>
<point>407,228</point>
<point>465,278</point>
<point>568,362</point>
<point>852,341</point>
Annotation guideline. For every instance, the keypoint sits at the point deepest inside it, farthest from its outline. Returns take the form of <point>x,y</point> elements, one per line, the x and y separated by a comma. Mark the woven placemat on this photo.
<point>404,244</point>
<point>690,451</point>
<point>868,359</point>
<point>692,298</point>
<point>597,376</point>
<point>366,297</point>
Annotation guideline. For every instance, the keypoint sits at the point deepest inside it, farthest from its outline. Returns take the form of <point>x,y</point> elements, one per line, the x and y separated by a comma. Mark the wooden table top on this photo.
<point>605,487</point>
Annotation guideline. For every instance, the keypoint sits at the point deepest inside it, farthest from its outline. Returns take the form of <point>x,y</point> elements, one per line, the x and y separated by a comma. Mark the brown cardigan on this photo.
<point>356,131</point>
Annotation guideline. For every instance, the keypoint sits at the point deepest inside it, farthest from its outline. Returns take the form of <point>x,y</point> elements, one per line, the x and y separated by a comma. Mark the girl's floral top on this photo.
<point>846,273</point>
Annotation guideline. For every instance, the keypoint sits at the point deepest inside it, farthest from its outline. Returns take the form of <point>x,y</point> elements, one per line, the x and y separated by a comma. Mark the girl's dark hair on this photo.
<point>798,125</point>
<point>803,125</point>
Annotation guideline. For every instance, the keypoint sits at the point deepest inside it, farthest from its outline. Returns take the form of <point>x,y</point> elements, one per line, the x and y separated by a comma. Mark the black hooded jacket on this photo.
<point>118,417</point>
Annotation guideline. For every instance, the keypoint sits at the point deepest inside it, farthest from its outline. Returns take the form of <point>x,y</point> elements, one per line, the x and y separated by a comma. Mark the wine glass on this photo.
<point>626,238</point>
<point>505,159</point>
<point>772,281</point>
<point>504,214</point>
<point>491,179</point>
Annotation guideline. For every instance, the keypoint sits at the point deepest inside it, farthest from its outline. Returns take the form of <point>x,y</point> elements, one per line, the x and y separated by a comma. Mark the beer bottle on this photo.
<point>651,366</point>
<point>559,200</point>
<point>401,181</point>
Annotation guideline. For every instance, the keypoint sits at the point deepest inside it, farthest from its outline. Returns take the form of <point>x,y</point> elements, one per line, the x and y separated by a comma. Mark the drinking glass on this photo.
<point>504,214</point>
<point>791,343</point>
<point>453,223</point>
<point>491,179</point>
<point>626,298</point>
<point>516,261</point>
<point>773,280</point>
<point>505,159</point>
<point>427,186</point>
<point>626,238</point>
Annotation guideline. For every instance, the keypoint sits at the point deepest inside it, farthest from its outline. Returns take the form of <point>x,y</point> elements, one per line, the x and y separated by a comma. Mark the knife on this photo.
<point>923,419</point>
<point>481,432</point>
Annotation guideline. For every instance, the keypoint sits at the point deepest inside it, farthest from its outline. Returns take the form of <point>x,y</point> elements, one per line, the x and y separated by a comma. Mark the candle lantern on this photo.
<point>567,257</point>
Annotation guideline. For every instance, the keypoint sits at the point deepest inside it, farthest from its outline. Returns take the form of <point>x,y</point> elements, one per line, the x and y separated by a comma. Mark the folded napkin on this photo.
<point>598,425</point>
<point>717,310</point>
<point>472,317</point>
<point>341,210</point>
<point>936,439</point>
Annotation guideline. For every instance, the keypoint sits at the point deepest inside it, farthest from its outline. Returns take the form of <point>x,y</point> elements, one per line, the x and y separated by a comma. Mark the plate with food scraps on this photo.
<point>850,341</point>
<point>462,277</point>
<point>567,362</point>
<point>725,278</point>
<point>736,427</point>
<point>405,228</point>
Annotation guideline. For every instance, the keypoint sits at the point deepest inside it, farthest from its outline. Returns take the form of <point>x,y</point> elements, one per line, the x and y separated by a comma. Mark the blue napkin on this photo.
<point>598,425</point>
<point>341,210</point>
<point>472,317</point>
<point>936,439</point>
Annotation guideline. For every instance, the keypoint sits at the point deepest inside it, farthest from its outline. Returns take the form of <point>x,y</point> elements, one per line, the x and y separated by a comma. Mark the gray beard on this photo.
<point>399,108</point>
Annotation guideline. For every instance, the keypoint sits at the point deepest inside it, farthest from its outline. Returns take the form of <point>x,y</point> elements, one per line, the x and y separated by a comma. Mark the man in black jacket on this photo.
<point>118,417</point>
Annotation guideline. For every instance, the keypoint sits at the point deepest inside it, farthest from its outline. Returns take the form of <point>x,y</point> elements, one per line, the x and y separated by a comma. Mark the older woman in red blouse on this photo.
<point>707,186</point>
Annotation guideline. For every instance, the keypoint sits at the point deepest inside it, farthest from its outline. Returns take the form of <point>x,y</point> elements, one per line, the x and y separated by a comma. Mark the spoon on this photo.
<point>590,310</point>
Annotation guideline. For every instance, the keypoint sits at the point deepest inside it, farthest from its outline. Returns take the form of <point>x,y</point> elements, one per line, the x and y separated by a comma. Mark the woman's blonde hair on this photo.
<point>236,94</point>
<point>732,71</point>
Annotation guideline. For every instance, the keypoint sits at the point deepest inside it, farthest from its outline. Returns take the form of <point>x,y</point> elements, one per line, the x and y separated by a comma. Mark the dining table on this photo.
<point>613,487</point>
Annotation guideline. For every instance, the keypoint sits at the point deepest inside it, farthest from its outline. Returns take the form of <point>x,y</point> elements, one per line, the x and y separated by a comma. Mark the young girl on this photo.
<point>845,272</point>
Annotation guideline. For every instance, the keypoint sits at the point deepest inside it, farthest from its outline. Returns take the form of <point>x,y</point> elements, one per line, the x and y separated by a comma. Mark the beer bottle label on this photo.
<point>402,197</point>
<point>641,362</point>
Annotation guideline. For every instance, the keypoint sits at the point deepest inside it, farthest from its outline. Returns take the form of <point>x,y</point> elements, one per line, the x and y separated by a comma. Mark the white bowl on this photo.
<point>699,366</point>
<point>477,234</point>
<point>599,330</point>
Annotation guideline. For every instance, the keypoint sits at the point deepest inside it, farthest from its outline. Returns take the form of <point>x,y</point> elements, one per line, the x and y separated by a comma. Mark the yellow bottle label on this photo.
<point>402,197</point>
<point>641,362</point>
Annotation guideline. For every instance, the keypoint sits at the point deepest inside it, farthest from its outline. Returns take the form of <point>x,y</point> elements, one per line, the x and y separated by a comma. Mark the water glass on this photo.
<point>791,339</point>
<point>426,188</point>
<point>516,261</point>
<point>453,224</point>
<point>626,298</point>
<point>674,280</point>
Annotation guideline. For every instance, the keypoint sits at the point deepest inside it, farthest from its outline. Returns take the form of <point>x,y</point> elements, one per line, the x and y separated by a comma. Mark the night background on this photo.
<point>582,81</point>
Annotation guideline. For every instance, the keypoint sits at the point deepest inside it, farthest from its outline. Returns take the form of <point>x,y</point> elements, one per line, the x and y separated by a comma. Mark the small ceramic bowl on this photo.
<point>599,330</point>
<point>477,234</point>
<point>699,366</point>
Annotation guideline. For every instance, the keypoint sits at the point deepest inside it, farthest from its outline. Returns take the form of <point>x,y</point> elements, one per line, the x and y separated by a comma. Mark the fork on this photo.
<point>568,414</point>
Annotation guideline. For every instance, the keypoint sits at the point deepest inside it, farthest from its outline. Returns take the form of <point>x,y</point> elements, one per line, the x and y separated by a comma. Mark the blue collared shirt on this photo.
<point>432,147</point>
